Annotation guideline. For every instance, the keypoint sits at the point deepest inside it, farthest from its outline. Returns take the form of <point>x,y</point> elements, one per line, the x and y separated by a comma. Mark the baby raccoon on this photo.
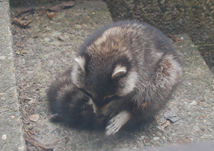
<point>125,70</point>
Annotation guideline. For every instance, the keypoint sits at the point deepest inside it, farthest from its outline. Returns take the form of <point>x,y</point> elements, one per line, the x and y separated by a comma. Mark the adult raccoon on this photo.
<point>128,69</point>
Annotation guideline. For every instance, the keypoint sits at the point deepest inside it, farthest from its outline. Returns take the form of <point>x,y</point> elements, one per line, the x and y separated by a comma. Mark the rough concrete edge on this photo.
<point>6,42</point>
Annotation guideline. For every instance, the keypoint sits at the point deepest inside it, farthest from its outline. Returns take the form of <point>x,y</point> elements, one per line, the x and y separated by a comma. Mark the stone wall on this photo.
<point>194,17</point>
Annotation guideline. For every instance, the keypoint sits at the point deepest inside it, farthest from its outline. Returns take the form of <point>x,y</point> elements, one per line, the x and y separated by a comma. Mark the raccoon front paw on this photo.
<point>55,117</point>
<point>117,122</point>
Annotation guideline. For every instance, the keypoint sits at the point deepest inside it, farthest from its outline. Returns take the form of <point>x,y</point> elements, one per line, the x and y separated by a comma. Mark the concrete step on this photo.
<point>10,120</point>
<point>45,57</point>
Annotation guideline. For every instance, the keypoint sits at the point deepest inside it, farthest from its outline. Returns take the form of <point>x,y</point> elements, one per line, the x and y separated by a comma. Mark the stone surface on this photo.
<point>47,57</point>
<point>10,125</point>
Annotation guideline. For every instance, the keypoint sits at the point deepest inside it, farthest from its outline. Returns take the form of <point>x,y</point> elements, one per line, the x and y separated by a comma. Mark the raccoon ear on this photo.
<point>81,62</point>
<point>118,71</point>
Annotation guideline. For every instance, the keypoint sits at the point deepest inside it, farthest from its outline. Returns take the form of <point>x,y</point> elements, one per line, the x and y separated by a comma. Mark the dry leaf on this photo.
<point>50,15</point>
<point>165,124</point>
<point>144,105</point>
<point>20,23</point>
<point>34,117</point>
<point>59,7</point>
<point>25,10</point>
<point>175,39</point>
<point>31,132</point>
<point>69,4</point>
<point>37,145</point>
<point>60,37</point>
<point>41,12</point>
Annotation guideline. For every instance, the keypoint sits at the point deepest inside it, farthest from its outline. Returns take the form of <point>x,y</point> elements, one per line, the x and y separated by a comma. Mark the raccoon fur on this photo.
<point>125,70</point>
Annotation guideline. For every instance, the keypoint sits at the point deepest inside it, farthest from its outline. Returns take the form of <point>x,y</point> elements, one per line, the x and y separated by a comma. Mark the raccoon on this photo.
<point>125,70</point>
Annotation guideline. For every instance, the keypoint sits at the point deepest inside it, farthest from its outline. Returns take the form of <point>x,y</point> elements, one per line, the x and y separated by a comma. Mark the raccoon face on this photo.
<point>104,79</point>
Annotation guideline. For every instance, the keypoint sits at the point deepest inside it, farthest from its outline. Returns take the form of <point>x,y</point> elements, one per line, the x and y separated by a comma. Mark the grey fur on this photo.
<point>128,68</point>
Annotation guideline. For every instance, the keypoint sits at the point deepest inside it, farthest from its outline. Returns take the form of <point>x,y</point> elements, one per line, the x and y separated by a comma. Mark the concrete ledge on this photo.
<point>207,146</point>
<point>10,123</point>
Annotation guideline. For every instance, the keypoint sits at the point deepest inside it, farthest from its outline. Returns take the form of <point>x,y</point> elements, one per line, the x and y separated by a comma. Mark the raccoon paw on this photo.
<point>117,122</point>
<point>55,117</point>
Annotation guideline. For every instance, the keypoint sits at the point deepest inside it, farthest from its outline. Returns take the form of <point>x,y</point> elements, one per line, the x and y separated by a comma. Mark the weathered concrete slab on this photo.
<point>40,57</point>
<point>10,123</point>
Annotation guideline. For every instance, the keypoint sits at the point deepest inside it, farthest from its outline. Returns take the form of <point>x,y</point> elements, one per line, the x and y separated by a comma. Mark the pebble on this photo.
<point>2,57</point>
<point>147,144</point>
<point>193,103</point>
<point>55,34</point>
<point>12,117</point>
<point>156,138</point>
<point>73,147</point>
<point>142,137</point>
<point>30,126</point>
<point>31,101</point>
<point>4,137</point>
<point>171,115</point>
<point>65,140</point>
<point>196,128</point>
<point>78,26</point>
<point>18,114</point>
<point>47,39</point>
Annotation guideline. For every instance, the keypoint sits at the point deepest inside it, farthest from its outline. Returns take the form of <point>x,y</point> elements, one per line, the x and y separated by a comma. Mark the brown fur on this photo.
<point>129,69</point>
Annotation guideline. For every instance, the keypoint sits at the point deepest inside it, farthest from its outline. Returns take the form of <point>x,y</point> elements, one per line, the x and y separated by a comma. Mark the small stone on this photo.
<point>78,26</point>
<point>12,117</point>
<point>73,147</point>
<point>18,52</point>
<point>18,114</point>
<point>58,131</point>
<point>156,138</point>
<point>51,62</point>
<point>56,43</point>
<point>196,128</point>
<point>203,129</point>
<point>34,117</point>
<point>2,57</point>
<point>171,115</point>
<point>47,39</point>
<point>55,34</point>
<point>193,103</point>
<point>65,140</point>
<point>48,29</point>
<point>142,137</point>
<point>4,137</point>
<point>31,101</point>
<point>30,126</point>
<point>24,52</point>
<point>147,144</point>
<point>61,38</point>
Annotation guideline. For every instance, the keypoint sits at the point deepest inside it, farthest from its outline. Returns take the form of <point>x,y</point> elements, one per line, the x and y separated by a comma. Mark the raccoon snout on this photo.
<point>99,111</point>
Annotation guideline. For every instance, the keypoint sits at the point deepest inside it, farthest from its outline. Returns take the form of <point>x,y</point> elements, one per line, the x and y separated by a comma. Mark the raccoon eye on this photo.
<point>87,93</point>
<point>111,98</point>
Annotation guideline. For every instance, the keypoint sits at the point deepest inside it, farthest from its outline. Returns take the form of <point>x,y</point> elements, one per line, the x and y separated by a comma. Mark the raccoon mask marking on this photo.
<point>128,69</point>
<point>102,88</point>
